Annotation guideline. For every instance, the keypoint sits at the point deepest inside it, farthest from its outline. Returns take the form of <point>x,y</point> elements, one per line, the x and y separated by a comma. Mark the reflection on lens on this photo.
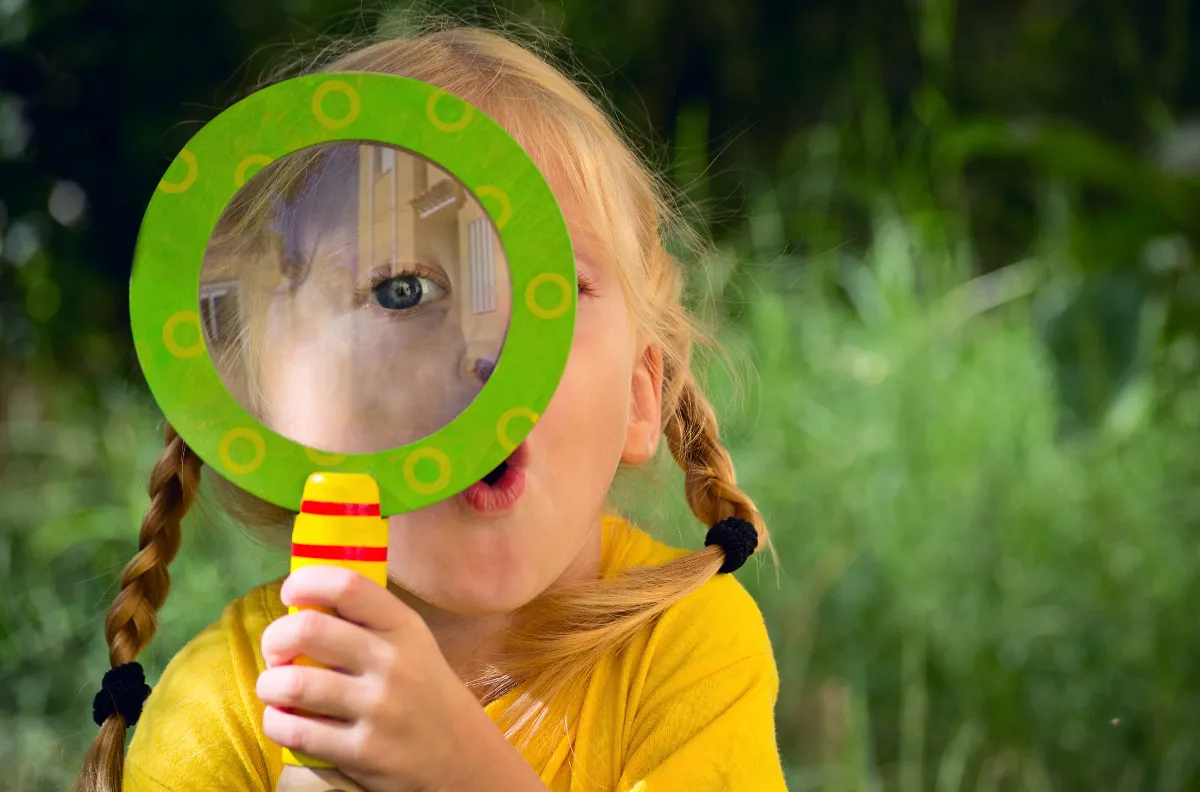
<point>354,297</point>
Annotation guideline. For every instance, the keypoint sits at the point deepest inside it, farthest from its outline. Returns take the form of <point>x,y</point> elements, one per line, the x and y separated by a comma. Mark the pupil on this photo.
<point>399,293</point>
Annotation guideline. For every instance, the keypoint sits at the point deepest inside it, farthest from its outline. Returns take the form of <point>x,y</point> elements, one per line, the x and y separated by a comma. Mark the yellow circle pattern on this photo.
<point>193,170</point>
<point>446,126</point>
<point>174,347</point>
<point>506,419</point>
<point>254,438</point>
<point>318,100</point>
<point>319,458</point>
<point>505,205</point>
<point>531,296</point>
<point>410,470</point>
<point>239,174</point>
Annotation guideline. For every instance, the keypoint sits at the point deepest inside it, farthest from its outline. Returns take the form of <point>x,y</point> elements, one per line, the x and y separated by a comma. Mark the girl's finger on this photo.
<point>355,597</point>
<point>319,691</point>
<point>324,638</point>
<point>321,738</point>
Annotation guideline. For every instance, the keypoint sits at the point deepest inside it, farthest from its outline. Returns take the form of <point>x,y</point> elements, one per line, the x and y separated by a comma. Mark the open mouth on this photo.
<point>493,478</point>
<point>500,489</point>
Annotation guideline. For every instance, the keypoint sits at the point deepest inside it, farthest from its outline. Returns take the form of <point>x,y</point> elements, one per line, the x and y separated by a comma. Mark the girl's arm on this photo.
<point>308,779</point>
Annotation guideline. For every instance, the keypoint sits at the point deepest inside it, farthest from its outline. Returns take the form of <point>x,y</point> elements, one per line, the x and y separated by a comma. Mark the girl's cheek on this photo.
<point>573,409</point>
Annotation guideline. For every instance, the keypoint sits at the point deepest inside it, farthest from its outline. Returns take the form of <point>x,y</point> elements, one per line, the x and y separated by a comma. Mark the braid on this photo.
<point>688,421</point>
<point>709,479</point>
<point>132,618</point>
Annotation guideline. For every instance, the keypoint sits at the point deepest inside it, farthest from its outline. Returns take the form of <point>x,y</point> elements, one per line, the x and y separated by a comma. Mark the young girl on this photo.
<point>529,644</point>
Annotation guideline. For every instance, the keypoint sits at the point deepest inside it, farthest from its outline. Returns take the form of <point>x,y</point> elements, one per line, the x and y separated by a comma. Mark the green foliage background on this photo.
<point>957,280</point>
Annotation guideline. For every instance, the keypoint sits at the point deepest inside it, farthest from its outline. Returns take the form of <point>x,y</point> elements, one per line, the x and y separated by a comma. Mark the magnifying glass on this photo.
<point>353,296</point>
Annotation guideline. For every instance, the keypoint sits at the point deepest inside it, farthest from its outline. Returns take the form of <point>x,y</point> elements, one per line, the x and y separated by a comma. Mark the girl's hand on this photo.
<point>394,715</point>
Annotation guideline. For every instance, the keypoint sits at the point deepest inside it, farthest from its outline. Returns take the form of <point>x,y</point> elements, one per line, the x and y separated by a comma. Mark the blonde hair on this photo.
<point>564,632</point>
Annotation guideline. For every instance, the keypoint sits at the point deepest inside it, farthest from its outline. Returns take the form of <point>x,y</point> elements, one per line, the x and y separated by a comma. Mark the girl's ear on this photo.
<point>645,408</point>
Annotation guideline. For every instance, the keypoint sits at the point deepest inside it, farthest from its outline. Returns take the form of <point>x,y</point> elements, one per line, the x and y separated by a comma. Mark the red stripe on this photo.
<point>339,552</point>
<point>340,509</point>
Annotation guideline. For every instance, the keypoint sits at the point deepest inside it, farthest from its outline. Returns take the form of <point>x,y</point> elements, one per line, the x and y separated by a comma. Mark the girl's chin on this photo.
<point>465,594</point>
<point>451,562</point>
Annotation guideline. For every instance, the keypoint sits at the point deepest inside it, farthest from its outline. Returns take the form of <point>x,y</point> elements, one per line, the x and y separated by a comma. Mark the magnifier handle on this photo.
<point>339,524</point>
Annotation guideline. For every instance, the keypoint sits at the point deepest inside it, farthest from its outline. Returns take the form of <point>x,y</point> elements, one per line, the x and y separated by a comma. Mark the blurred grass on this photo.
<point>1004,608</point>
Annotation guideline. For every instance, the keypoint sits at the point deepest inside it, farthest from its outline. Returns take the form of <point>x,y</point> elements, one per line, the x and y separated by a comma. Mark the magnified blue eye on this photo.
<point>406,291</point>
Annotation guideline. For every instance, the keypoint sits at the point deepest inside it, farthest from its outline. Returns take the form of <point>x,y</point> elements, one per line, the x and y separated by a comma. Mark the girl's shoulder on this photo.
<point>201,727</point>
<point>719,619</point>
<point>696,689</point>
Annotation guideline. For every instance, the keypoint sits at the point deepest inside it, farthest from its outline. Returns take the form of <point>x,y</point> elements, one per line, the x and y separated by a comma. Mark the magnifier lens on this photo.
<point>354,297</point>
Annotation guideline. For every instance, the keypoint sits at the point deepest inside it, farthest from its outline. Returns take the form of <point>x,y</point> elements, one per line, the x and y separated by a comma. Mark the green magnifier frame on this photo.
<point>164,292</point>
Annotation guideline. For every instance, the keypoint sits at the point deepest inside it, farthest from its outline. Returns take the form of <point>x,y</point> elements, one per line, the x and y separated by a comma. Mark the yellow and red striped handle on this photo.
<point>339,524</point>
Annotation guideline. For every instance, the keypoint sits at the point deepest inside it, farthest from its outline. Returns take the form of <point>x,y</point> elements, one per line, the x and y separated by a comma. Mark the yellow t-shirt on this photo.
<point>689,708</point>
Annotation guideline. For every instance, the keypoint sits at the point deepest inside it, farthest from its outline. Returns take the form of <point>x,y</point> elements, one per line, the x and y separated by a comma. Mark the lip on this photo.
<point>503,495</point>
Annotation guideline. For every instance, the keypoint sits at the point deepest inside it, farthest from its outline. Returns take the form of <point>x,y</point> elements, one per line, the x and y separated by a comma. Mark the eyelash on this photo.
<point>585,285</point>
<point>387,272</point>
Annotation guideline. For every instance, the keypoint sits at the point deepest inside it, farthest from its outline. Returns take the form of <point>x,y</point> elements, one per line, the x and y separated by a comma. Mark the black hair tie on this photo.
<point>737,538</point>
<point>123,691</point>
